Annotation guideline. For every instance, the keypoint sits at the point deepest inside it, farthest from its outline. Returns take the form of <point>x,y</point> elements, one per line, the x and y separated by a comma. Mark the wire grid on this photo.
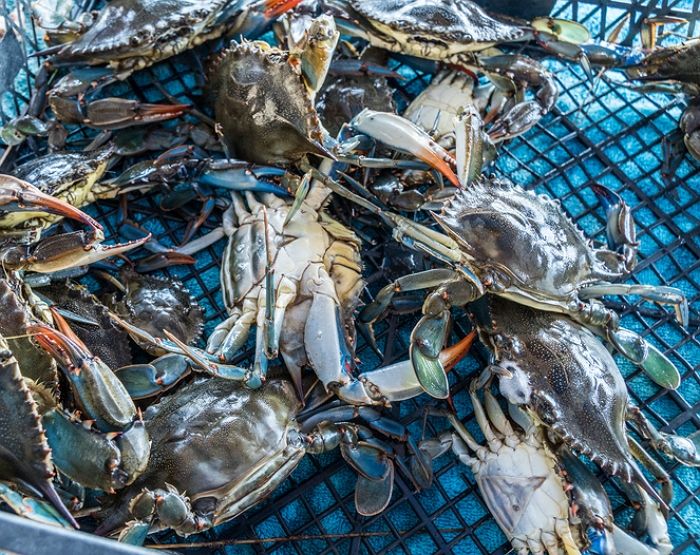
<point>618,140</point>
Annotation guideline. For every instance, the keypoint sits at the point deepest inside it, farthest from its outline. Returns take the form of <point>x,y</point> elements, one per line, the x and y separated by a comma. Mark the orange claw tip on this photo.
<point>65,328</point>
<point>438,158</point>
<point>451,355</point>
<point>28,197</point>
<point>275,8</point>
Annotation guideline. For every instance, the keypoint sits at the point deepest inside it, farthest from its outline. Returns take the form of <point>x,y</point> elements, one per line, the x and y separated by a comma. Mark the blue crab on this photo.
<point>129,35</point>
<point>541,496</point>
<point>228,447</point>
<point>562,373</point>
<point>459,33</point>
<point>502,239</point>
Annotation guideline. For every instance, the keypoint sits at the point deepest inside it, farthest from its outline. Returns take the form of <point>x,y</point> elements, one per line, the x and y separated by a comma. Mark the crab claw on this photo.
<point>118,113</point>
<point>620,231</point>
<point>67,250</point>
<point>97,390</point>
<point>275,8</point>
<point>405,136</point>
<point>113,113</point>
<point>654,363</point>
<point>17,195</point>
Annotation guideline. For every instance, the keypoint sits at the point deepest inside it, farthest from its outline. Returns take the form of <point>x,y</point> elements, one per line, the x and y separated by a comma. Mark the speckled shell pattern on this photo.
<point>155,304</point>
<point>136,33</point>
<point>563,372</point>
<point>525,238</point>
<point>443,20</point>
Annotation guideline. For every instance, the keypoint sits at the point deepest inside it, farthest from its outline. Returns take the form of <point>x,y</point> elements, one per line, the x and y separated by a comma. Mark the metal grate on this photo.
<point>619,139</point>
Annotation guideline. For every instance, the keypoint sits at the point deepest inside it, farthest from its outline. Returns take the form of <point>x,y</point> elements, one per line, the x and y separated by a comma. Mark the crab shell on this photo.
<point>265,110</point>
<point>133,34</point>
<point>155,304</point>
<point>436,29</point>
<point>564,374</point>
<point>524,242</point>
<point>104,340</point>
<point>225,445</point>
<point>69,176</point>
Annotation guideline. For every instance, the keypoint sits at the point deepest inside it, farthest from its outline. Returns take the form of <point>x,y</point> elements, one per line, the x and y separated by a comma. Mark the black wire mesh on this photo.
<point>621,139</point>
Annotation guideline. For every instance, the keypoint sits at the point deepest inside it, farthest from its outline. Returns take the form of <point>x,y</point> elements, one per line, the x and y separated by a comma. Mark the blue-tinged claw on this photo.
<point>601,542</point>
<point>147,380</point>
<point>135,532</point>
<point>654,363</point>
<point>33,509</point>
<point>99,463</point>
<point>244,179</point>
<point>97,390</point>
<point>203,361</point>
<point>427,340</point>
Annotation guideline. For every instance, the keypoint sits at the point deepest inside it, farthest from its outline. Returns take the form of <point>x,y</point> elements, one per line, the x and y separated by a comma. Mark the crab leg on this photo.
<point>656,293</point>
<point>113,113</point>
<point>147,380</point>
<point>511,73</point>
<point>684,450</point>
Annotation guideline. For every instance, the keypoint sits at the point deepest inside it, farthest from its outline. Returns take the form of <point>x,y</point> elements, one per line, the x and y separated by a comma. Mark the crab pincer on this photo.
<point>17,195</point>
<point>116,452</point>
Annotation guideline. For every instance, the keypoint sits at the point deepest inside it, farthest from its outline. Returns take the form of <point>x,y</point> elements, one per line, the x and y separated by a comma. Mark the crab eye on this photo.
<point>135,40</point>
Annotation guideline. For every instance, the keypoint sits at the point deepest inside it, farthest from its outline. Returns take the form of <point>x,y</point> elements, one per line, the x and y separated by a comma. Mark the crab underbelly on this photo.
<point>521,486</point>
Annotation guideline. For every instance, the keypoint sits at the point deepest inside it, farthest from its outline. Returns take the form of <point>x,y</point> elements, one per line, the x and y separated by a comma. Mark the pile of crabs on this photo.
<point>118,417</point>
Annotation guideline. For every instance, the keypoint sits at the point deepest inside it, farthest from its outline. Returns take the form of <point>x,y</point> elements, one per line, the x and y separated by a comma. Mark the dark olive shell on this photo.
<point>262,105</point>
<point>104,340</point>
<point>207,437</point>
<point>156,304</point>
